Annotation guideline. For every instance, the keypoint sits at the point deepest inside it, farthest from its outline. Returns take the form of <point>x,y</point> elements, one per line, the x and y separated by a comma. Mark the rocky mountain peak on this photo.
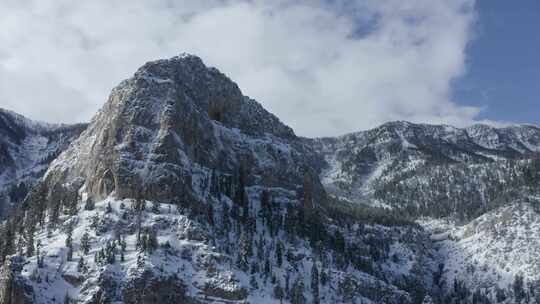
<point>170,115</point>
<point>210,91</point>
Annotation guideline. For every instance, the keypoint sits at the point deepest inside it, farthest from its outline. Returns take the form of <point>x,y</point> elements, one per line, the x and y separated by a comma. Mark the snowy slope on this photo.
<point>490,252</point>
<point>203,265</point>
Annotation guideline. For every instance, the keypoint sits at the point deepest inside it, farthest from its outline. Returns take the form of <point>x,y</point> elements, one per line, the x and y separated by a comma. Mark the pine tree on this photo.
<point>245,211</point>
<point>69,242</point>
<point>143,243</point>
<point>323,278</point>
<point>81,266</point>
<point>225,219</point>
<point>89,204</point>
<point>72,207</point>
<point>85,242</point>
<point>152,240</point>
<point>110,252</point>
<point>8,240</point>
<point>155,207</point>
<point>339,242</point>
<point>278,293</point>
<point>214,185</point>
<point>297,292</point>
<point>519,290</point>
<point>38,250</point>
<point>267,269</point>
<point>266,208</point>
<point>38,254</point>
<point>315,283</point>
<point>140,261</point>
<point>67,299</point>
<point>279,254</point>
<point>244,252</point>
<point>287,282</point>
<point>210,215</point>
<point>54,214</point>
<point>291,221</point>
<point>30,242</point>
<point>253,282</point>
<point>123,245</point>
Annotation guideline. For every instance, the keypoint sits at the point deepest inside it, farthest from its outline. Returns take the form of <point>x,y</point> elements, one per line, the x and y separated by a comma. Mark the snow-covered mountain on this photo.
<point>26,149</point>
<point>477,186</point>
<point>433,170</point>
<point>495,255</point>
<point>183,190</point>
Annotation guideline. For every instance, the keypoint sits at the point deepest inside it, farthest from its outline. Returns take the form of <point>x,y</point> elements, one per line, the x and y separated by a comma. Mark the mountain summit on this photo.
<point>172,114</point>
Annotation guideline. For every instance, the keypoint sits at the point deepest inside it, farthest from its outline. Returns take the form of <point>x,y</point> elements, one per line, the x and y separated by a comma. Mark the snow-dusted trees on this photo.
<point>81,265</point>
<point>69,242</point>
<point>85,242</point>
<point>279,253</point>
<point>7,239</point>
<point>279,293</point>
<point>107,254</point>
<point>89,204</point>
<point>245,252</point>
<point>315,284</point>
<point>519,288</point>
<point>147,241</point>
<point>297,292</point>
<point>30,241</point>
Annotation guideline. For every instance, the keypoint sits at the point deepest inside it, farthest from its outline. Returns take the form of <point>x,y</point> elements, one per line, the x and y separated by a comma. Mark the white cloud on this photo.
<point>323,68</point>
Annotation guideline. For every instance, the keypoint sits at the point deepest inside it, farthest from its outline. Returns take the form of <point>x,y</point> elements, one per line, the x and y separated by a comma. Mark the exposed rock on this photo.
<point>148,289</point>
<point>163,118</point>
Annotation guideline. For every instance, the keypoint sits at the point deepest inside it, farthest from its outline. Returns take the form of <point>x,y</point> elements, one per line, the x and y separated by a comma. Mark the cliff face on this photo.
<point>172,114</point>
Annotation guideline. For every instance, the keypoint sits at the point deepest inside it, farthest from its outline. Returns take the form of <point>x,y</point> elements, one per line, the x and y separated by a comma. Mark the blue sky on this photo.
<point>503,62</point>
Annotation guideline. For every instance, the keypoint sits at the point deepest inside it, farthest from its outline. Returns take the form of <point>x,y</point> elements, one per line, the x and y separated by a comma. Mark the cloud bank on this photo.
<point>324,67</point>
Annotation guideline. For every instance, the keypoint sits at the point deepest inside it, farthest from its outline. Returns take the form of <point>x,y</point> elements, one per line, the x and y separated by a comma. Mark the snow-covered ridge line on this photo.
<point>35,125</point>
<point>404,124</point>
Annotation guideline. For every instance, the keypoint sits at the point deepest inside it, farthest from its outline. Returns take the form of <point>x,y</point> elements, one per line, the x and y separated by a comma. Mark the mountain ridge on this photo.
<point>26,149</point>
<point>182,189</point>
